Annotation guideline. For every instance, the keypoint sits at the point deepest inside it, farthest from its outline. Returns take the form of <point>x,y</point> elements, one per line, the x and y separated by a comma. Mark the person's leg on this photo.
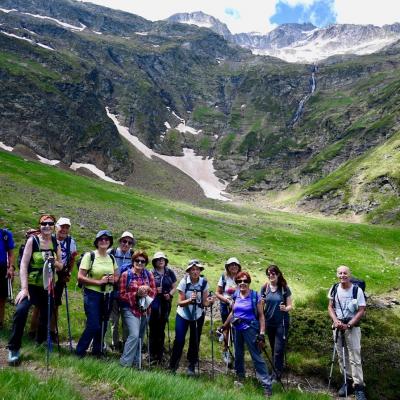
<point>43,305</point>
<point>91,301</point>
<point>19,321</point>
<point>196,328</point>
<point>58,292</point>
<point>3,292</point>
<point>114,324</point>
<point>239,353</point>
<point>131,351</point>
<point>154,334</point>
<point>34,325</point>
<point>258,361</point>
<point>353,343</point>
<point>181,327</point>
<point>279,349</point>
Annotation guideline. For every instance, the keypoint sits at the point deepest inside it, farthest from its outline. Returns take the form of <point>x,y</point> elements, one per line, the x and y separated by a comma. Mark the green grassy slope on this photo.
<point>307,249</point>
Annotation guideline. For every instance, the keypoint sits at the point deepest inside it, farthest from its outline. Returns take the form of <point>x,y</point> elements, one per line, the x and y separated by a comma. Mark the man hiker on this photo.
<point>68,254</point>
<point>346,308</point>
<point>6,268</point>
<point>123,255</point>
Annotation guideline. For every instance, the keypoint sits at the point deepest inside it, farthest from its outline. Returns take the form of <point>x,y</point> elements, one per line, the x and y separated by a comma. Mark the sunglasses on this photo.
<point>126,241</point>
<point>271,273</point>
<point>51,223</point>
<point>104,239</point>
<point>239,281</point>
<point>139,261</point>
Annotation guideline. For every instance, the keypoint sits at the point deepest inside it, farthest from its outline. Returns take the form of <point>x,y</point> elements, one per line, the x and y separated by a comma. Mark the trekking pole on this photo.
<point>273,369</point>
<point>48,269</point>
<point>194,313</point>
<point>10,296</point>
<point>344,362</point>
<point>212,337</point>
<point>168,329</point>
<point>333,357</point>
<point>140,345</point>
<point>68,320</point>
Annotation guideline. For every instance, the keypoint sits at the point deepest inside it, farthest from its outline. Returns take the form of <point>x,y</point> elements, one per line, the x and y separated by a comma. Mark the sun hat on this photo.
<point>103,233</point>
<point>193,263</point>
<point>157,256</point>
<point>232,260</point>
<point>129,235</point>
<point>63,221</point>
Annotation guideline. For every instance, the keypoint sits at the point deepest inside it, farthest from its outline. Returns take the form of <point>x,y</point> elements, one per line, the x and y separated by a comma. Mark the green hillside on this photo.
<point>307,249</point>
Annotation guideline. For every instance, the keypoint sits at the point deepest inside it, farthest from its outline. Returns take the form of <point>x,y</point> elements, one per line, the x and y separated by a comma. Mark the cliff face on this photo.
<point>267,124</point>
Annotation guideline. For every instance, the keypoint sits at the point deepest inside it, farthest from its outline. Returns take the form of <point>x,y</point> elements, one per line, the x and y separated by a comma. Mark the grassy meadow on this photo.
<point>307,249</point>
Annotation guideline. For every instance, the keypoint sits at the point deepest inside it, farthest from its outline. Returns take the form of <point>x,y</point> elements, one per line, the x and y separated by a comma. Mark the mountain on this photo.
<point>302,43</point>
<point>85,85</point>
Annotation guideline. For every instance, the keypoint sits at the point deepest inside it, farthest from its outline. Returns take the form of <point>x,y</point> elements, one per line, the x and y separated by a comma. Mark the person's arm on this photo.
<point>354,321</point>
<point>261,318</point>
<point>289,305</point>
<point>336,323</point>
<point>220,295</point>
<point>83,276</point>
<point>10,264</point>
<point>183,301</point>
<point>58,264</point>
<point>227,321</point>
<point>23,274</point>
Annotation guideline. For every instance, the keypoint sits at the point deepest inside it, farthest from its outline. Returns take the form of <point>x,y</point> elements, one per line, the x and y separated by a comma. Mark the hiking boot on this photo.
<point>226,357</point>
<point>13,357</point>
<point>359,392</point>
<point>342,390</point>
<point>190,371</point>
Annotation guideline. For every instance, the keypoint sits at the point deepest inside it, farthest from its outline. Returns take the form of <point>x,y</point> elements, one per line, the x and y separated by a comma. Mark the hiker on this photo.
<point>346,307</point>
<point>68,254</point>
<point>123,255</point>
<point>7,269</point>
<point>97,272</point>
<point>193,297</point>
<point>226,287</point>
<point>247,318</point>
<point>38,251</point>
<point>277,302</point>
<point>137,290</point>
<point>161,306</point>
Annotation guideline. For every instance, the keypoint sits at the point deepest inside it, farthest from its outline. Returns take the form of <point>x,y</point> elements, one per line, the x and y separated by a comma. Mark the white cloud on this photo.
<point>294,3</point>
<point>367,11</point>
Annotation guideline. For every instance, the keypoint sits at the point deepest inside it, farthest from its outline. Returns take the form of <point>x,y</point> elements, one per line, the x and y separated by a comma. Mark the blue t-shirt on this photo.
<point>6,243</point>
<point>272,312</point>
<point>243,310</point>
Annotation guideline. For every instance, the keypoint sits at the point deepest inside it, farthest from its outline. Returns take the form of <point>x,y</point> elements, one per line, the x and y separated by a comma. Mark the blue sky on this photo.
<point>264,15</point>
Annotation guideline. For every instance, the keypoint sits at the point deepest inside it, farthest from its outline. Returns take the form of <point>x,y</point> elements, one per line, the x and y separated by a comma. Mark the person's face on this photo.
<point>125,244</point>
<point>47,226</point>
<point>160,263</point>
<point>62,231</point>
<point>139,263</point>
<point>233,269</point>
<point>103,243</point>
<point>194,272</point>
<point>272,276</point>
<point>243,283</point>
<point>343,274</point>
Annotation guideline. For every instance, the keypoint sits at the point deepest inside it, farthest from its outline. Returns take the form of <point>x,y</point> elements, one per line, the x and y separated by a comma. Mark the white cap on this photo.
<point>232,260</point>
<point>129,235</point>
<point>63,221</point>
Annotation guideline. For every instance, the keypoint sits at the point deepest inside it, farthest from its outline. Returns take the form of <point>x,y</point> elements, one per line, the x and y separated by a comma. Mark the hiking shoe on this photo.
<point>267,393</point>
<point>13,357</point>
<point>342,390</point>
<point>359,393</point>
<point>226,357</point>
<point>190,371</point>
<point>238,384</point>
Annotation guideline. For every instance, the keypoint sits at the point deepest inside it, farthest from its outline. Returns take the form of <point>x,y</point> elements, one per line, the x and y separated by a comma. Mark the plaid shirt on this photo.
<point>128,295</point>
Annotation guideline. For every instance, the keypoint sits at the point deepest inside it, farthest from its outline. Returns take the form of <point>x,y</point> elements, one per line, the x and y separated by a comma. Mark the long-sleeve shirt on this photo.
<point>129,284</point>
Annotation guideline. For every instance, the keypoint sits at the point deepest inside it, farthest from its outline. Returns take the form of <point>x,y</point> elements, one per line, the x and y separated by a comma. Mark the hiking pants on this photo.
<point>97,309</point>
<point>277,343</point>
<point>248,336</point>
<point>158,320</point>
<point>181,327</point>
<point>352,354</point>
<point>114,324</point>
<point>38,297</point>
<point>136,330</point>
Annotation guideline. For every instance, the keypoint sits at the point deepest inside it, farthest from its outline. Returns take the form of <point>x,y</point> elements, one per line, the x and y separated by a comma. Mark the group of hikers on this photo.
<point>117,283</point>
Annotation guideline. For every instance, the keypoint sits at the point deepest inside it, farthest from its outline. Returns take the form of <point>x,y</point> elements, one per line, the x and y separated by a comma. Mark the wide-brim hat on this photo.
<point>129,235</point>
<point>194,263</point>
<point>157,256</point>
<point>232,260</point>
<point>101,234</point>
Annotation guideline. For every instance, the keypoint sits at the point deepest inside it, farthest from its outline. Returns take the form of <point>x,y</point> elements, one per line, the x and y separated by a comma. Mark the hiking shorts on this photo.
<point>3,281</point>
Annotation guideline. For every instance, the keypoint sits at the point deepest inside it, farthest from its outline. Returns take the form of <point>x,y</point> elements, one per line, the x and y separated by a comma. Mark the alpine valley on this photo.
<point>316,129</point>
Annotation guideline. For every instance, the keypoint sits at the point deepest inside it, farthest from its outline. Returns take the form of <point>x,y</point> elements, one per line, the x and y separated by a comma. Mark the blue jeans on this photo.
<point>277,343</point>
<point>136,328</point>
<point>248,336</point>
<point>181,327</point>
<point>97,309</point>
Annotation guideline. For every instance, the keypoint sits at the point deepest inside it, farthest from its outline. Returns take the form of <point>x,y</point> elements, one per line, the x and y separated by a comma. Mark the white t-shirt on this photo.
<point>230,286</point>
<point>345,305</point>
<point>187,312</point>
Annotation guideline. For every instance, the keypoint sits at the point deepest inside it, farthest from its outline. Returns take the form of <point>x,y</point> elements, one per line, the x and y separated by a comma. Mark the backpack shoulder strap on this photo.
<point>203,285</point>
<point>112,258</point>
<point>92,257</point>
<point>253,295</point>
<point>355,290</point>
<point>55,243</point>
<point>265,290</point>
<point>112,251</point>
<point>333,293</point>
<point>223,282</point>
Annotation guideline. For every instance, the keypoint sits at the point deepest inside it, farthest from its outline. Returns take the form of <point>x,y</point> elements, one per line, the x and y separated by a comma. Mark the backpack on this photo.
<point>4,238</point>
<point>92,257</point>
<point>130,277</point>
<point>357,283</point>
<point>253,295</point>
<point>114,250</point>
<point>203,286</point>
<point>21,249</point>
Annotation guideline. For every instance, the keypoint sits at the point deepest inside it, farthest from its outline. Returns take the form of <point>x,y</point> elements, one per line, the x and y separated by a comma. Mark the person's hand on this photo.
<point>142,291</point>
<point>210,300</point>
<point>193,297</point>
<point>282,307</point>
<point>21,295</point>
<point>10,273</point>
<point>260,341</point>
<point>104,280</point>
<point>338,325</point>
<point>167,296</point>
